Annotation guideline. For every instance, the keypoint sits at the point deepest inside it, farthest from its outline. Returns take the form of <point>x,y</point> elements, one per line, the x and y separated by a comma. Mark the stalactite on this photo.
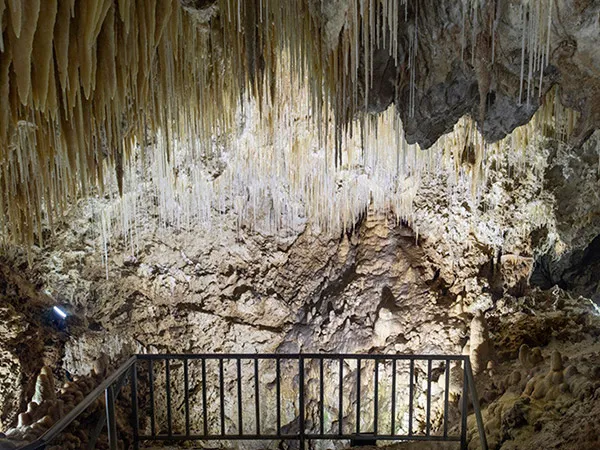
<point>84,84</point>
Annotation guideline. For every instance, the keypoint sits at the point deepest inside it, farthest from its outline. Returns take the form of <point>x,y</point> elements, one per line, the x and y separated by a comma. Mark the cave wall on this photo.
<point>381,286</point>
<point>29,339</point>
<point>232,289</point>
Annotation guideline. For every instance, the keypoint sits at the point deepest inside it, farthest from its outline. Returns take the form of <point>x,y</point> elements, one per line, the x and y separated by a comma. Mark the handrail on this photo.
<point>379,356</point>
<point>63,423</point>
<point>115,380</point>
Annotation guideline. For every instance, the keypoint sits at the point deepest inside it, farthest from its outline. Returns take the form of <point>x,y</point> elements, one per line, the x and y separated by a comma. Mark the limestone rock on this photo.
<point>480,349</point>
<point>44,389</point>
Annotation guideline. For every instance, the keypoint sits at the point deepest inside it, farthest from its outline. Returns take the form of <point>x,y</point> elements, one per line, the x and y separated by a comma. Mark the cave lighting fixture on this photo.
<point>59,312</point>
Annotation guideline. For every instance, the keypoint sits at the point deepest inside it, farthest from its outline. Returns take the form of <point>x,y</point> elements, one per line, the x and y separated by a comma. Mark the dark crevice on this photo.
<point>577,271</point>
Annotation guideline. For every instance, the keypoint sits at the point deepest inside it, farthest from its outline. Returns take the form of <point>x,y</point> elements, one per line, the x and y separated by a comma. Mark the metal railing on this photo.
<point>110,389</point>
<point>314,415</point>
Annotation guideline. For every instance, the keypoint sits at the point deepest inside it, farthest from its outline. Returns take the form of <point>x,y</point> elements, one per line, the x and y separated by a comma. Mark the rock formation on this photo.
<point>479,343</point>
<point>49,405</point>
<point>271,200</point>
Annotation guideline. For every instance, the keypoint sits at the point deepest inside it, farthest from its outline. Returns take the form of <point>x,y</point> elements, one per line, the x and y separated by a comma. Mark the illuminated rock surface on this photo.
<point>191,180</point>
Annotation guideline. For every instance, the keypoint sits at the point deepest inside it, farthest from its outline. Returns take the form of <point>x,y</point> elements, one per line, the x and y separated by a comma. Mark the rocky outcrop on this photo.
<point>533,400</point>
<point>383,286</point>
<point>28,341</point>
<point>494,60</point>
<point>50,404</point>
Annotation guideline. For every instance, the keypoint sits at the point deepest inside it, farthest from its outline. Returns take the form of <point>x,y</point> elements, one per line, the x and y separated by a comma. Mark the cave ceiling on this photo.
<point>85,86</point>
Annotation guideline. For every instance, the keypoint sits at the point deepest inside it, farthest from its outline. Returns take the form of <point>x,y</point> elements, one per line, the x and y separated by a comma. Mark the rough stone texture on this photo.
<point>28,341</point>
<point>485,249</point>
<point>453,78</point>
<point>470,60</point>
<point>573,178</point>
<point>383,286</point>
<point>548,402</point>
<point>50,404</point>
<point>379,287</point>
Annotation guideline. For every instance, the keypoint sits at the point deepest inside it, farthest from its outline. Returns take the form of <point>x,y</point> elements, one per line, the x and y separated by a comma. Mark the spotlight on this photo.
<point>59,312</point>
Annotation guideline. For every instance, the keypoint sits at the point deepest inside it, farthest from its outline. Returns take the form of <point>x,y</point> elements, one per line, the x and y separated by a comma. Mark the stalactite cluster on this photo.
<point>86,85</point>
<point>81,82</point>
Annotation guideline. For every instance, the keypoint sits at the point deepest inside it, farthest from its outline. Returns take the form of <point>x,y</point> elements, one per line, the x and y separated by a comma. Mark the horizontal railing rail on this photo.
<point>307,375</point>
<point>106,388</point>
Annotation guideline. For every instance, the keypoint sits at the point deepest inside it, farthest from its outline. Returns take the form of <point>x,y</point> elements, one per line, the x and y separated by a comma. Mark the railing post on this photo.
<point>204,405</point>
<point>446,397</point>
<point>411,395</point>
<point>278,393</point>
<point>393,421</point>
<point>257,396</point>
<point>168,386</point>
<point>358,368</point>
<point>239,397</point>
<point>109,396</point>
<point>341,399</point>
<point>151,388</point>
<point>376,397</point>
<point>186,395</point>
<point>476,407</point>
<point>222,396</point>
<point>428,413</point>
<point>301,430</point>
<point>465,406</point>
<point>321,397</point>
<point>134,407</point>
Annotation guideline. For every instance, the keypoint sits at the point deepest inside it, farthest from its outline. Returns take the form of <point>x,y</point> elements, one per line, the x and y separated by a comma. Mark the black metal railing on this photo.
<point>110,389</point>
<point>179,387</point>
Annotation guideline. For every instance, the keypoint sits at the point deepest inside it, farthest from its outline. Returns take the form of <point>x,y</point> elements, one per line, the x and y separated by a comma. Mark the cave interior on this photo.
<point>395,202</point>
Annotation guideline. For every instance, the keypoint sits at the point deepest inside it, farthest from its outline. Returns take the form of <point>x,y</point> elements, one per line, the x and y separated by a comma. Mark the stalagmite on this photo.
<point>44,389</point>
<point>480,348</point>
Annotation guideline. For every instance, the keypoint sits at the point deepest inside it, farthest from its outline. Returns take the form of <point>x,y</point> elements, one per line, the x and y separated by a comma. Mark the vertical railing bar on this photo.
<point>463,427</point>
<point>376,397</point>
<point>222,396</point>
<point>358,367</point>
<point>134,407</point>
<point>278,393</point>
<point>94,434</point>
<point>186,393</point>
<point>446,397</point>
<point>341,399</point>
<point>393,421</point>
<point>111,423</point>
<point>204,406</point>
<point>428,424</point>
<point>256,397</point>
<point>168,384</point>
<point>411,389</point>
<point>301,430</point>
<point>476,406</point>
<point>239,396</point>
<point>322,396</point>
<point>151,383</point>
